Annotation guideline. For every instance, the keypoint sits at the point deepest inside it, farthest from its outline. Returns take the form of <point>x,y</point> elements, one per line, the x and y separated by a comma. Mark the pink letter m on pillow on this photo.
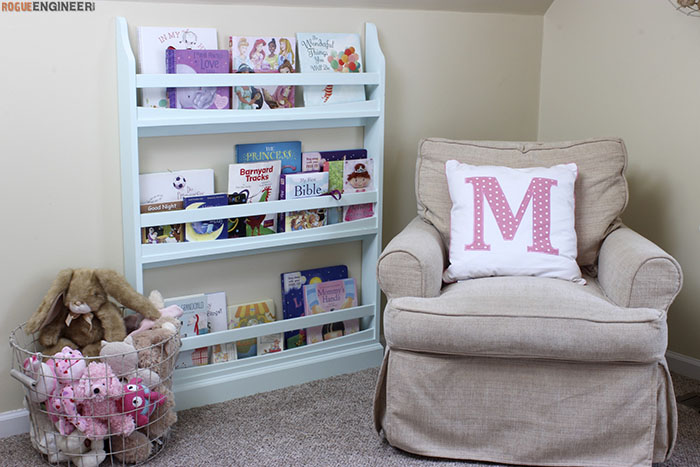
<point>497,242</point>
<point>539,192</point>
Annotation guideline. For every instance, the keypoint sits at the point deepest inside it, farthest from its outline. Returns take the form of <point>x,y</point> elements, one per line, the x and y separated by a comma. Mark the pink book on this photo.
<point>330,296</point>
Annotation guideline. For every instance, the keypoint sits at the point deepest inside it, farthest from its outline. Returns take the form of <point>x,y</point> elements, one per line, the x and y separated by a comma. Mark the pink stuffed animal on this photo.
<point>68,365</point>
<point>97,395</point>
<point>139,401</point>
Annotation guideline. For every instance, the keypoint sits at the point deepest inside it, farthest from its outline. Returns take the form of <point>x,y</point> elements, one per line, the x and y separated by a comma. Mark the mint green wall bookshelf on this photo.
<point>222,381</point>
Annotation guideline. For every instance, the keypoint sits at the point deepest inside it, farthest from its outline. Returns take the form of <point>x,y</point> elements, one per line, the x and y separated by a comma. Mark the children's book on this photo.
<point>237,225</point>
<point>217,320</point>
<point>193,322</point>
<point>162,233</point>
<point>330,296</point>
<point>332,162</point>
<point>314,161</point>
<point>288,152</point>
<point>258,182</point>
<point>250,314</point>
<point>270,344</point>
<point>293,296</point>
<point>154,41</point>
<point>255,54</point>
<point>210,229</point>
<point>198,61</point>
<point>358,177</point>
<point>328,52</point>
<point>305,185</point>
<point>165,187</point>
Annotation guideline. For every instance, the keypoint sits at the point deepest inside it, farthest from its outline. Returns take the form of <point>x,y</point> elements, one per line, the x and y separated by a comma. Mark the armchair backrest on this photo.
<point>601,189</point>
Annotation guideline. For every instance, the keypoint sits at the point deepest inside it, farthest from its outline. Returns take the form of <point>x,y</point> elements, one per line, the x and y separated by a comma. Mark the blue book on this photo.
<point>293,296</point>
<point>210,229</point>
<point>289,152</point>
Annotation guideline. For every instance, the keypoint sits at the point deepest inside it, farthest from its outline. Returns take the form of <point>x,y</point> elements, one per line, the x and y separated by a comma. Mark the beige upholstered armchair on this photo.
<point>529,370</point>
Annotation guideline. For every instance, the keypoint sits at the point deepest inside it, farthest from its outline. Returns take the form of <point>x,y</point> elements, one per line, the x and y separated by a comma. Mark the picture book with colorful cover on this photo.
<point>305,185</point>
<point>330,52</point>
<point>165,187</point>
<point>250,314</point>
<point>314,161</point>
<point>330,296</point>
<point>255,54</point>
<point>162,233</point>
<point>258,182</point>
<point>270,344</point>
<point>154,41</point>
<point>237,225</point>
<point>293,296</point>
<point>202,231</point>
<point>358,177</point>
<point>193,322</point>
<point>198,61</point>
<point>332,162</point>
<point>288,152</point>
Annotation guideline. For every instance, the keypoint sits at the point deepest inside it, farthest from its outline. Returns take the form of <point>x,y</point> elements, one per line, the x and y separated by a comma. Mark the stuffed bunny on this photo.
<point>76,311</point>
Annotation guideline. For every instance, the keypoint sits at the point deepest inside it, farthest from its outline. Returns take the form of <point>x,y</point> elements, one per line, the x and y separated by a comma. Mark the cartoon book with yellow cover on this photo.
<point>250,314</point>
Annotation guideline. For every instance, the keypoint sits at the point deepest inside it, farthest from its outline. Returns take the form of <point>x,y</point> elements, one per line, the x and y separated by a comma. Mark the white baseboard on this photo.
<point>14,422</point>
<point>683,365</point>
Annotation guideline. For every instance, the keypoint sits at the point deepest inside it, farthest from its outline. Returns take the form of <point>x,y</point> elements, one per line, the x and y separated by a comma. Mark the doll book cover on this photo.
<point>210,229</point>
<point>358,177</point>
<point>198,61</point>
<point>255,54</point>
<point>293,296</point>
<point>330,296</point>
<point>258,182</point>
<point>162,233</point>
<point>250,314</point>
<point>288,152</point>
<point>327,53</point>
<point>154,41</point>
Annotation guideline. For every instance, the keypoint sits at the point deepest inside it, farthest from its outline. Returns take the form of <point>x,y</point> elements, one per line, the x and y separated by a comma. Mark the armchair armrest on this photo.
<point>635,273</point>
<point>411,265</point>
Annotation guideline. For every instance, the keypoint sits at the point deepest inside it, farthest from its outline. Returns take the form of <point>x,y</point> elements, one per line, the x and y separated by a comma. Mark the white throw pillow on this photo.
<point>512,222</point>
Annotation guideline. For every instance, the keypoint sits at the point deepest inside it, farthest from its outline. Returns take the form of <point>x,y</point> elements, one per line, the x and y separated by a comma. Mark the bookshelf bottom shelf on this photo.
<point>221,384</point>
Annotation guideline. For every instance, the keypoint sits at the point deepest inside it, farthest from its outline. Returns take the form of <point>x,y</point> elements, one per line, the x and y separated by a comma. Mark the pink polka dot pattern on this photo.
<point>538,192</point>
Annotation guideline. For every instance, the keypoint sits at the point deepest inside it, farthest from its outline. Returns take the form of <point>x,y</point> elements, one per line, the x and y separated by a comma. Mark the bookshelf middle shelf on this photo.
<point>167,254</point>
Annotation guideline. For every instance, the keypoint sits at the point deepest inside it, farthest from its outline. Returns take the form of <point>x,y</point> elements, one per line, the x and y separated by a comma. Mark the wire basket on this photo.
<point>87,411</point>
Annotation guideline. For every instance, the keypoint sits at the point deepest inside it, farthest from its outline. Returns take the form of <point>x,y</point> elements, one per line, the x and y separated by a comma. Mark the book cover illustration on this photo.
<point>358,177</point>
<point>237,225</point>
<point>270,344</point>
<point>217,320</point>
<point>154,41</point>
<point>210,229</point>
<point>254,54</point>
<point>198,61</point>
<point>165,187</point>
<point>258,182</point>
<point>293,296</point>
<point>330,52</point>
<point>288,152</point>
<point>305,185</point>
<point>193,322</point>
<point>330,296</point>
<point>163,233</point>
<point>250,314</point>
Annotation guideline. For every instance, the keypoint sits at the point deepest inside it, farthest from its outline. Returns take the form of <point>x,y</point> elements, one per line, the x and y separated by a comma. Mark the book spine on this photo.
<point>170,68</point>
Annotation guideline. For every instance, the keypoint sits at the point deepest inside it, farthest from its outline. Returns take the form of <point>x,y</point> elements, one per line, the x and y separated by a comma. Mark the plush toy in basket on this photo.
<point>77,312</point>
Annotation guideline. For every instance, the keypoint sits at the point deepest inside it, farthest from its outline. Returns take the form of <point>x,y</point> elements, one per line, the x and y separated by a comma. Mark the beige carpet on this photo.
<point>322,423</point>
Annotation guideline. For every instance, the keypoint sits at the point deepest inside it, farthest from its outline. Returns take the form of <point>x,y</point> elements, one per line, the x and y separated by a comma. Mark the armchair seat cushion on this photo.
<point>526,317</point>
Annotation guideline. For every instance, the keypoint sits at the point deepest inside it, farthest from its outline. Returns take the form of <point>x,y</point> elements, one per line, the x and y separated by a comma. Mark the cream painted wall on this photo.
<point>450,74</point>
<point>629,68</point>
